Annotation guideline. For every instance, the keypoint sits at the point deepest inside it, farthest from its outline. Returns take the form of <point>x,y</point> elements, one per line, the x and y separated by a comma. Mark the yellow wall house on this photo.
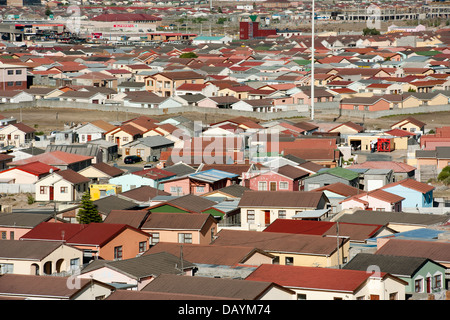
<point>99,191</point>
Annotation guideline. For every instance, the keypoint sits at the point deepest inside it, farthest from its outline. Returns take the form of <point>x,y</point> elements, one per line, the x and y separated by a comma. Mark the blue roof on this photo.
<point>212,175</point>
<point>417,234</point>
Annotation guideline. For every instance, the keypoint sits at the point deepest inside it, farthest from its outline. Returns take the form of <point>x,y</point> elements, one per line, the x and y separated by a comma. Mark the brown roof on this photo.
<point>143,193</point>
<point>31,285</point>
<point>340,188</point>
<point>27,250</point>
<point>277,242</point>
<point>132,218</point>
<point>292,172</point>
<point>208,254</point>
<point>411,184</point>
<point>412,120</point>
<point>23,127</point>
<point>285,199</point>
<point>213,287</point>
<point>72,176</point>
<point>178,221</point>
<point>190,202</point>
<point>122,294</point>
<point>434,250</point>
<point>180,75</point>
<point>393,165</point>
<point>103,125</point>
<point>106,168</point>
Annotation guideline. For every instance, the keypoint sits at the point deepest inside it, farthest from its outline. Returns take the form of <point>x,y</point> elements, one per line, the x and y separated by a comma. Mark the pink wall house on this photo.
<point>285,178</point>
<point>207,103</point>
<point>377,200</point>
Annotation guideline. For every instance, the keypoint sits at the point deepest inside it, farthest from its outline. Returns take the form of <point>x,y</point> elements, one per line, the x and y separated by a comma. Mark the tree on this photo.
<point>88,211</point>
<point>444,176</point>
<point>370,32</point>
<point>48,12</point>
<point>188,55</point>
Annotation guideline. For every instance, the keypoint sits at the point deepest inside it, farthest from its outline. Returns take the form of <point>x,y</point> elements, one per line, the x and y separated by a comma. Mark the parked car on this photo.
<point>132,159</point>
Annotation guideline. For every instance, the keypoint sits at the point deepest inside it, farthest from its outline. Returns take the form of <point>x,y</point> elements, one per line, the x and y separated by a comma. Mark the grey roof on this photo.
<point>151,142</point>
<point>383,218</point>
<point>22,220</point>
<point>85,150</point>
<point>192,202</point>
<point>234,190</point>
<point>215,287</point>
<point>106,204</point>
<point>395,265</point>
<point>146,265</point>
<point>180,169</point>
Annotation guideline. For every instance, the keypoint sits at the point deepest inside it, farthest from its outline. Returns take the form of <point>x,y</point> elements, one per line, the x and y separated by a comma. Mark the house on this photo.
<point>26,174</point>
<point>401,170</point>
<point>375,103</point>
<point>336,192</point>
<point>60,159</point>
<point>200,182</point>
<point>154,177</point>
<point>97,240</point>
<point>287,178</point>
<point>413,270</point>
<point>148,148</point>
<point>290,249</point>
<point>434,250</point>
<point>136,273</point>
<point>39,257</point>
<point>15,96</point>
<point>16,134</point>
<point>375,178</point>
<point>410,124</point>
<point>347,128</point>
<point>378,200</point>
<point>62,186</point>
<point>431,162</point>
<point>4,159</point>
<point>197,228</point>
<point>230,289</point>
<point>14,225</point>
<point>311,283</point>
<point>261,208</point>
<point>164,84</point>
<point>123,134</point>
<point>329,176</point>
<point>83,97</point>
<point>31,287</point>
<point>214,261</point>
<point>142,195</point>
<point>416,194</point>
<point>233,192</point>
<point>101,172</point>
<point>93,130</point>
<point>13,77</point>
<point>189,203</point>
<point>113,202</point>
<point>397,221</point>
<point>96,79</point>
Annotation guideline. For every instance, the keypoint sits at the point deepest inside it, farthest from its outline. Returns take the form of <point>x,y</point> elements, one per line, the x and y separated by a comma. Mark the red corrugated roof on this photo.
<point>312,277</point>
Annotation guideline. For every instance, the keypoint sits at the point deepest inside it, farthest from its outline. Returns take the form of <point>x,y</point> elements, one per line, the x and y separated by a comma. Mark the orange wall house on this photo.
<point>365,104</point>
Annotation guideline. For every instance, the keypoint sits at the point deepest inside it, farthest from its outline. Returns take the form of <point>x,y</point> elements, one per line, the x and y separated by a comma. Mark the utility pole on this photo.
<point>312,59</point>
<point>337,240</point>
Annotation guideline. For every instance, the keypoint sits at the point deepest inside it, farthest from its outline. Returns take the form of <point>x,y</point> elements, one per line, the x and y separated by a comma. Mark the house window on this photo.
<point>360,298</point>
<point>250,216</point>
<point>262,186</point>
<point>200,189</point>
<point>185,238</point>
<point>18,71</point>
<point>10,72</point>
<point>438,281</point>
<point>2,137</point>
<point>284,185</point>
<point>74,263</point>
<point>301,296</point>
<point>418,285</point>
<point>43,190</point>
<point>6,268</point>
<point>3,235</point>
<point>118,253</point>
<point>11,235</point>
<point>64,189</point>
<point>281,214</point>
<point>125,139</point>
<point>176,190</point>
<point>393,296</point>
<point>289,261</point>
<point>142,246</point>
<point>18,83</point>
<point>154,238</point>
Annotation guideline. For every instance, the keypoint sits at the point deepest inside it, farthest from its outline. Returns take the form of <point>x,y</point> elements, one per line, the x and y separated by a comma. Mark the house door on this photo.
<point>374,297</point>
<point>51,189</point>
<point>273,186</point>
<point>89,137</point>
<point>118,141</point>
<point>429,285</point>
<point>267,217</point>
